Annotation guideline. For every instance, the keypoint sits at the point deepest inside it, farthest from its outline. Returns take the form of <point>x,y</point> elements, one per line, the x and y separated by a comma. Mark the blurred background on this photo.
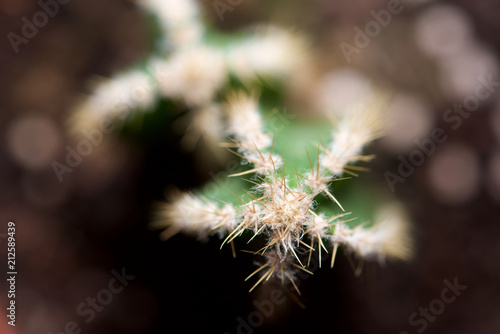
<point>72,236</point>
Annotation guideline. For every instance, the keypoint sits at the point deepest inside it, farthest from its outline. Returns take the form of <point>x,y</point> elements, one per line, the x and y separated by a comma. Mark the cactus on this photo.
<point>291,208</point>
<point>284,192</point>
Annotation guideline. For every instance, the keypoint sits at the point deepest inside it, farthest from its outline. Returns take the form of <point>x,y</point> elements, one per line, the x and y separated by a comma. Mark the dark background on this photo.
<point>71,235</point>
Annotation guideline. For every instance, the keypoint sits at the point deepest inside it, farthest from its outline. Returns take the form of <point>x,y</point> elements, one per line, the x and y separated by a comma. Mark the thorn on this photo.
<point>295,298</point>
<point>310,247</point>
<point>272,145</point>
<point>258,282</point>
<point>334,253</point>
<point>233,250</point>
<point>260,229</point>
<point>295,254</point>
<point>250,171</point>
<point>293,282</point>
<point>350,173</point>
<point>239,199</point>
<point>333,198</point>
<point>308,157</point>
<point>301,268</point>
<point>357,168</point>
<point>310,253</point>
<point>257,270</point>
